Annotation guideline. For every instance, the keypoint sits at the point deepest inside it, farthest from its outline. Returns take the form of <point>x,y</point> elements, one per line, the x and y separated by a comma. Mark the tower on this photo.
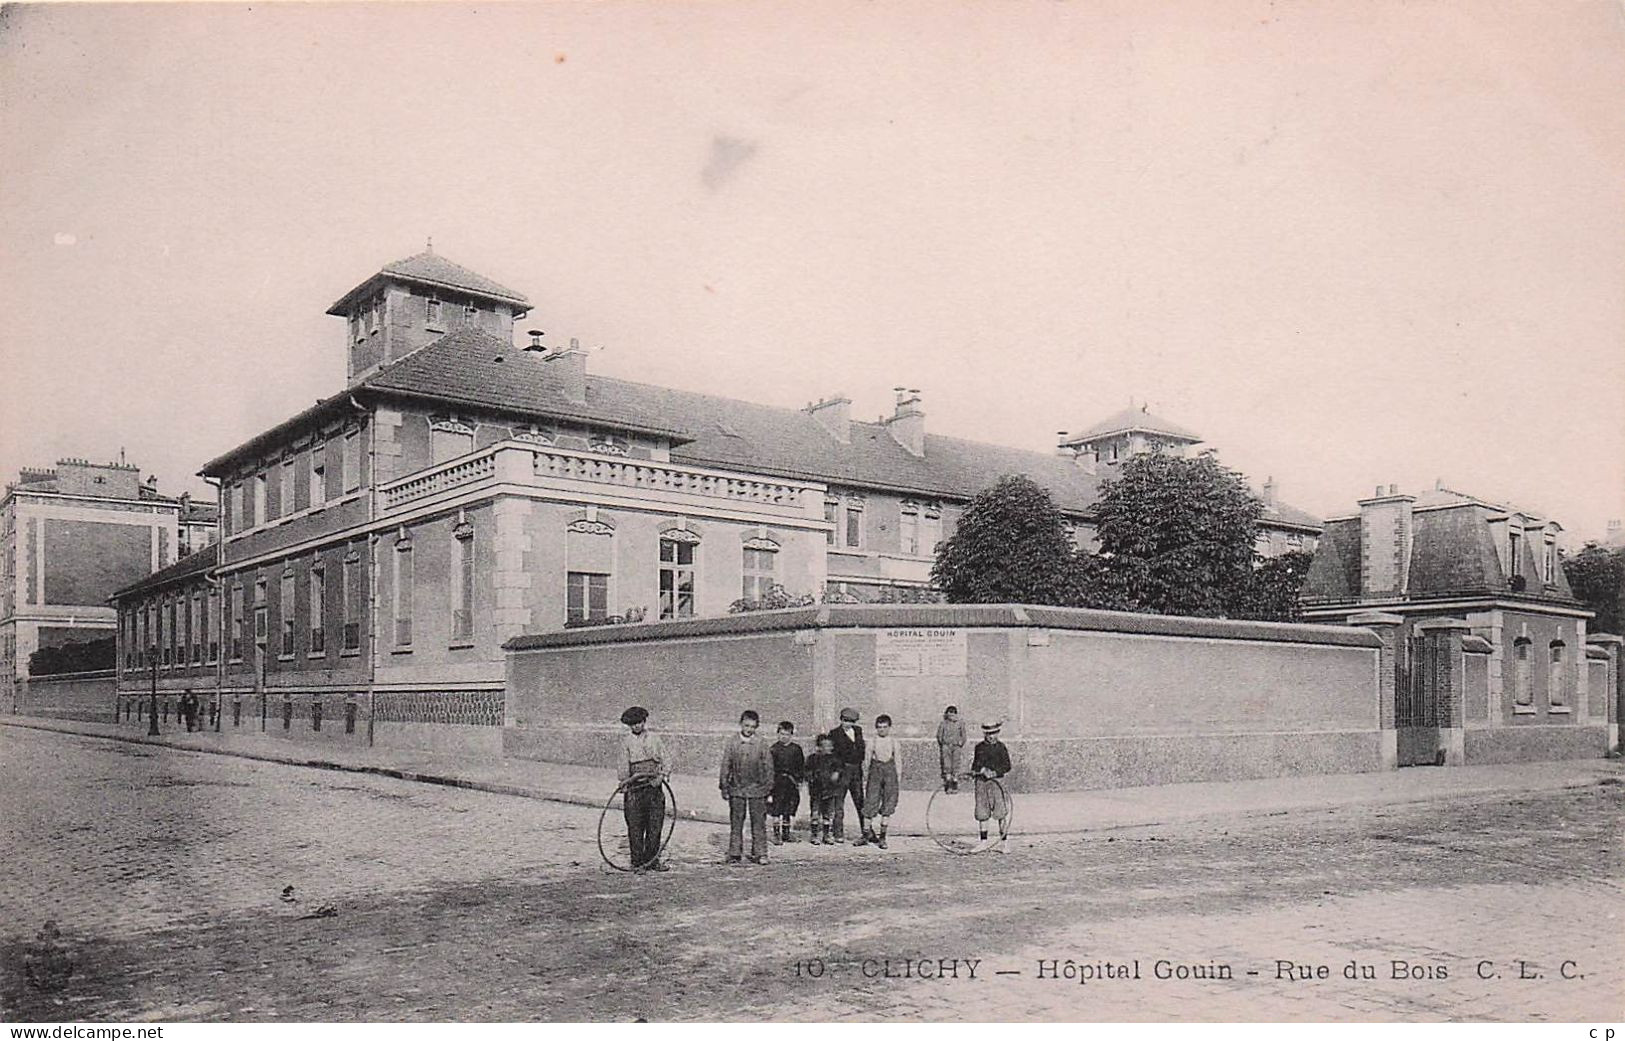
<point>411,303</point>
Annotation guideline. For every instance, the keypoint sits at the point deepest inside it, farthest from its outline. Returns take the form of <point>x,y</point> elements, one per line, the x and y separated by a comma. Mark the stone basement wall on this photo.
<point>89,696</point>
<point>1090,699</point>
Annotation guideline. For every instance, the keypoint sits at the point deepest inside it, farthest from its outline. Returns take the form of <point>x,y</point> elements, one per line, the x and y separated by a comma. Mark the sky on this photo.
<point>1350,244</point>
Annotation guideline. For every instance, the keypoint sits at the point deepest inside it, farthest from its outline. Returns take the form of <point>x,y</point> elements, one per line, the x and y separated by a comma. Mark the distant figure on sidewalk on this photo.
<point>789,764</point>
<point>848,740</point>
<point>745,780</point>
<point>189,710</point>
<point>990,760</point>
<point>642,769</point>
<point>826,788</point>
<point>880,797</point>
<point>950,747</point>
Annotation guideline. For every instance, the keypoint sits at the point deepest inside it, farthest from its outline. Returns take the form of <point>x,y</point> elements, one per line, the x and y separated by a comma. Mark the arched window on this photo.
<point>1557,676</point>
<point>1522,691</point>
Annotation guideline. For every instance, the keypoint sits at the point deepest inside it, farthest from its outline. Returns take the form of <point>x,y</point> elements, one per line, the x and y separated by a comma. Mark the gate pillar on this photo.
<point>1387,627</point>
<point>1450,676</point>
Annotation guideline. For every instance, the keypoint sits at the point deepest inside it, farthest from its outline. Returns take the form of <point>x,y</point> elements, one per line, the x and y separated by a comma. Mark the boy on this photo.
<point>950,746</point>
<point>745,779</point>
<point>880,798</point>
<point>642,768</point>
<point>848,739</point>
<point>826,787</point>
<point>788,766</point>
<point>991,760</point>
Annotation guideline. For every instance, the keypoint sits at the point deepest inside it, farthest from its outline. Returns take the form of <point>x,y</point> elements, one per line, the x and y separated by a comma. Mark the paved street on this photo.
<point>163,869</point>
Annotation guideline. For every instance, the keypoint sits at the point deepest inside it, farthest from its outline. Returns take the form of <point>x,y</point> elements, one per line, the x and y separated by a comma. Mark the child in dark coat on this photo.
<point>789,764</point>
<point>826,788</point>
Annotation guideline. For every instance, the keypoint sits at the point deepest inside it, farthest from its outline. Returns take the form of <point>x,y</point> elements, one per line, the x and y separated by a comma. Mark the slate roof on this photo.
<point>463,367</point>
<point>1132,418</point>
<point>433,270</point>
<point>1453,554</point>
<point>191,565</point>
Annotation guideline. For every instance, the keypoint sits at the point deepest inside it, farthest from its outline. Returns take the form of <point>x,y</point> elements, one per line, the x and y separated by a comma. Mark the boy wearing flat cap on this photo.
<point>989,761</point>
<point>849,749</point>
<point>643,768</point>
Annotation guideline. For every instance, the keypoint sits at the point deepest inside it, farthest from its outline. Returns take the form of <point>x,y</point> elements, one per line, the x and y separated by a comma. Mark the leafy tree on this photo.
<point>1176,537</point>
<point>83,656</point>
<point>1597,576</point>
<point>1272,595</point>
<point>1011,546</point>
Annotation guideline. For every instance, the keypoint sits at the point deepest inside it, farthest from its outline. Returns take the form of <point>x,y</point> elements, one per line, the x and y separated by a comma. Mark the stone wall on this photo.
<point>75,695</point>
<point>1090,699</point>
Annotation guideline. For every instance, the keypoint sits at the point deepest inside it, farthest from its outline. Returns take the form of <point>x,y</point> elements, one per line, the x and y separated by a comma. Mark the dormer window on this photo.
<point>1514,562</point>
<point>471,310</point>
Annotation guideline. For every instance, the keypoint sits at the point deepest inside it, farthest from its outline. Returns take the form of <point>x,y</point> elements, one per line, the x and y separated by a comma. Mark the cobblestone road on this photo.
<point>164,868</point>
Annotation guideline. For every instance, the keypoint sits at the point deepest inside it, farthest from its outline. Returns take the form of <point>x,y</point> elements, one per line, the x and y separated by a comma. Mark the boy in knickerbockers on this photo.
<point>989,761</point>
<point>788,766</point>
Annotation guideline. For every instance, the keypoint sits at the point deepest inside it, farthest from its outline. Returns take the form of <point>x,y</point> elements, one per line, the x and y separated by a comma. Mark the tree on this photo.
<point>1272,594</point>
<point>1597,576</point>
<point>1176,537</point>
<point>83,656</point>
<point>1011,546</point>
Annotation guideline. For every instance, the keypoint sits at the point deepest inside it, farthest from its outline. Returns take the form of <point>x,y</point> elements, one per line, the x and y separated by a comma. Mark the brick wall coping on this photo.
<point>1476,645</point>
<point>955,616</point>
<point>1604,638</point>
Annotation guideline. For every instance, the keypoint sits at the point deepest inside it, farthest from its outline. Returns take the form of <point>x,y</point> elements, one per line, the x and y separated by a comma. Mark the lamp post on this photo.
<point>152,714</point>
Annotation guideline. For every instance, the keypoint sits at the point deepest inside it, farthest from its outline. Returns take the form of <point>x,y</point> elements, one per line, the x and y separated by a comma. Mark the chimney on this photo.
<point>1613,527</point>
<point>907,424</point>
<point>568,366</point>
<point>1082,458</point>
<point>834,414</point>
<point>1385,543</point>
<point>1269,490</point>
<point>535,340</point>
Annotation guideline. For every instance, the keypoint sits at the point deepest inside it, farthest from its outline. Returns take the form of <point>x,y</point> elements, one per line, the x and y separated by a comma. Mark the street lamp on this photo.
<point>152,714</point>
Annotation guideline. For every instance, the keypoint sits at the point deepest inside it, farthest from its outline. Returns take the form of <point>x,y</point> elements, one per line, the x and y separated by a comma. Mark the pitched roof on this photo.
<point>191,565</point>
<point>431,269</point>
<point>725,432</point>
<point>1133,418</point>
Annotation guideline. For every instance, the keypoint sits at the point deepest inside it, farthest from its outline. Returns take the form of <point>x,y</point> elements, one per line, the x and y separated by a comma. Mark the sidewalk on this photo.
<point>1036,812</point>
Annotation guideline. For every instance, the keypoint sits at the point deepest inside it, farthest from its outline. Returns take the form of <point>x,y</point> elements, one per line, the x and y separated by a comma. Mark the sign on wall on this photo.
<point>920,652</point>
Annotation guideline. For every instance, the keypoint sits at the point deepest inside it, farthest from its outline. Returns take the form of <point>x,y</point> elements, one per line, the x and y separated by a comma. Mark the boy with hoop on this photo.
<point>990,761</point>
<point>642,770</point>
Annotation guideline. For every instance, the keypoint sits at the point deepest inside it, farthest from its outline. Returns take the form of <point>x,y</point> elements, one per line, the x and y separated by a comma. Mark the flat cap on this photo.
<point>849,715</point>
<point>634,715</point>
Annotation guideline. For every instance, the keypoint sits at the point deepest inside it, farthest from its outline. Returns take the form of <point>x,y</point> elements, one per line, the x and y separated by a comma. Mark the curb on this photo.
<point>716,817</point>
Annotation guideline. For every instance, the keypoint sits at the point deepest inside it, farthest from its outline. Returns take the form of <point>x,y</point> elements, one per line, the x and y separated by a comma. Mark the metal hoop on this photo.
<point>1004,831</point>
<point>671,825</point>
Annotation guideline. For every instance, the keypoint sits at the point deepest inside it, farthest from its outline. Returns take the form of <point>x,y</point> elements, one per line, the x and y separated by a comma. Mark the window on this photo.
<point>236,634</point>
<point>677,576</point>
<point>262,631</point>
<point>930,530</point>
<point>908,529</point>
<point>350,594</point>
<point>1294,542</point>
<point>213,622</point>
<point>471,311</point>
<point>401,601</point>
<point>355,326</point>
<point>194,628</point>
<point>259,516</point>
<point>1521,688</point>
<point>234,507</point>
<point>285,506</point>
<point>1556,677</point>
<point>375,309</point>
<point>587,598</point>
<point>318,609</point>
<point>1514,540</point>
<point>352,460</point>
<point>831,517</point>
<point>431,311</point>
<point>166,631</point>
<point>144,647</point>
<point>1549,564</point>
<point>318,474</point>
<point>449,439</point>
<point>854,525</point>
<point>761,572</point>
<point>285,616</point>
<point>462,584</point>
